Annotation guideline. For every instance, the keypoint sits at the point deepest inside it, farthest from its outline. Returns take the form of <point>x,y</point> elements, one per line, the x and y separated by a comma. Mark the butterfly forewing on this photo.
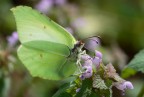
<point>32,25</point>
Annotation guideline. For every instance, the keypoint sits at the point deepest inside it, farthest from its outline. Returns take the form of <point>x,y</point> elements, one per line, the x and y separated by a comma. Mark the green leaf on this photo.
<point>32,25</point>
<point>85,89</point>
<point>137,63</point>
<point>62,91</point>
<point>127,72</point>
<point>106,93</point>
<point>94,94</point>
<point>98,82</point>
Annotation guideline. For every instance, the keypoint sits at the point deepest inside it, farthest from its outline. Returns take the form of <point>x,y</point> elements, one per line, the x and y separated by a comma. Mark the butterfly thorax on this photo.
<point>77,50</point>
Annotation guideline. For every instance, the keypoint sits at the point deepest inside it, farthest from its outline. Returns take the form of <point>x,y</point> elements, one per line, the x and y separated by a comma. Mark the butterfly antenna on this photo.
<point>92,37</point>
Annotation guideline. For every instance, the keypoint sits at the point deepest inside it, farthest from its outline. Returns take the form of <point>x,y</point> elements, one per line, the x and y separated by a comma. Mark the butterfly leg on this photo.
<point>79,60</point>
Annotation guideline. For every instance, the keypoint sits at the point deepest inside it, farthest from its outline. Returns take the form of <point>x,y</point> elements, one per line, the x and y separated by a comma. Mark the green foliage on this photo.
<point>62,91</point>
<point>127,72</point>
<point>1,85</point>
<point>85,90</point>
<point>99,83</point>
<point>137,62</point>
<point>45,45</point>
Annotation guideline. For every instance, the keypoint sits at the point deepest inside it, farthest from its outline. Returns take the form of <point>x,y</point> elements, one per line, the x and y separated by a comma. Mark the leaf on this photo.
<point>137,63</point>
<point>99,83</point>
<point>106,93</point>
<point>127,72</point>
<point>62,91</point>
<point>93,94</point>
<point>32,25</point>
<point>86,88</point>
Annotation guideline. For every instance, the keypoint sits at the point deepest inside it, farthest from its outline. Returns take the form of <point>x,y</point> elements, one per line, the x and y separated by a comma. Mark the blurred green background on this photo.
<point>119,23</point>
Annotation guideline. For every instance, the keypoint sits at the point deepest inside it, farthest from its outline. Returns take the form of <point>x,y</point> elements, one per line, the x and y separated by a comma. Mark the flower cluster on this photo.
<point>93,67</point>
<point>89,63</point>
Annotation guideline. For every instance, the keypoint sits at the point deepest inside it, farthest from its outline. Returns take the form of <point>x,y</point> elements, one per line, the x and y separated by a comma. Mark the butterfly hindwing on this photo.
<point>46,64</point>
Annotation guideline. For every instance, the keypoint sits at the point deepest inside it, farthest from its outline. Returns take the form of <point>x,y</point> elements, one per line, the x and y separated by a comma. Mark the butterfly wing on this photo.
<point>32,25</point>
<point>46,63</point>
<point>45,45</point>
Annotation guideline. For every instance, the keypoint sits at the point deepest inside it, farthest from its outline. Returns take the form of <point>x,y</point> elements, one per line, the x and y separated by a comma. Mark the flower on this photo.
<point>87,73</point>
<point>13,39</point>
<point>110,71</point>
<point>87,63</point>
<point>85,57</point>
<point>123,85</point>
<point>98,54</point>
<point>97,59</point>
<point>77,90</point>
<point>44,5</point>
<point>96,62</point>
<point>128,85</point>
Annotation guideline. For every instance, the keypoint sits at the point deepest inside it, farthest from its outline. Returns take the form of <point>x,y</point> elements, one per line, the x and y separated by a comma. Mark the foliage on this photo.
<point>137,62</point>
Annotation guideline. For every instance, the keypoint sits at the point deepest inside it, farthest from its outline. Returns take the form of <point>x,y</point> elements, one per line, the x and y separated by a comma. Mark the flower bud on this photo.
<point>85,57</point>
<point>128,85</point>
<point>88,72</point>
<point>87,63</point>
<point>96,61</point>
<point>98,54</point>
<point>77,90</point>
<point>123,85</point>
<point>44,5</point>
<point>13,39</point>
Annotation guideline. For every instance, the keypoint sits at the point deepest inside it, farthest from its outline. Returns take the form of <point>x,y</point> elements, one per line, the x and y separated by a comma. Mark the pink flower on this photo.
<point>97,59</point>
<point>44,5</point>
<point>13,39</point>
<point>77,90</point>
<point>87,63</point>
<point>85,57</point>
<point>123,85</point>
<point>87,73</point>
<point>98,54</point>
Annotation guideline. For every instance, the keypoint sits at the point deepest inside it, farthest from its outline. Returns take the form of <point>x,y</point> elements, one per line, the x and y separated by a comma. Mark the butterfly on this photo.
<point>45,45</point>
